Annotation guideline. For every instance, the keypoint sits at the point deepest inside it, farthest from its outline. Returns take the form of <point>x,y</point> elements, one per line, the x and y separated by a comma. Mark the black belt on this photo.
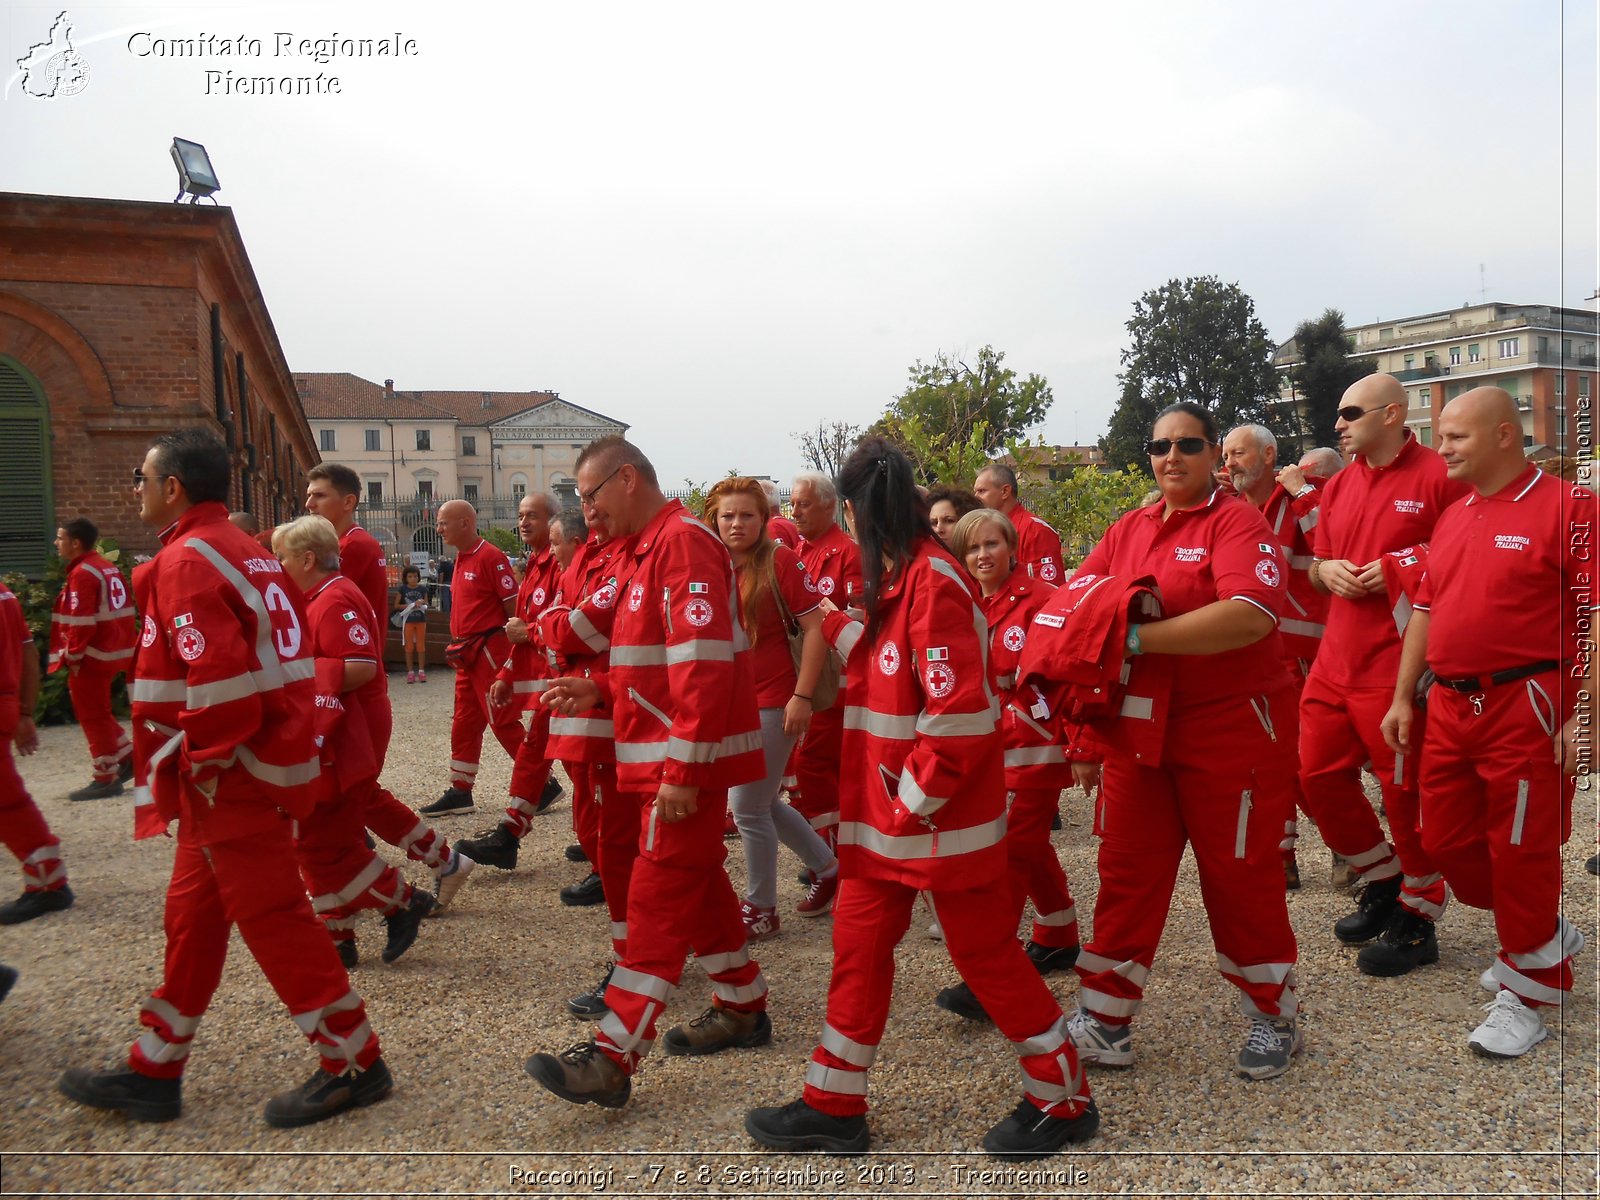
<point>1475,683</point>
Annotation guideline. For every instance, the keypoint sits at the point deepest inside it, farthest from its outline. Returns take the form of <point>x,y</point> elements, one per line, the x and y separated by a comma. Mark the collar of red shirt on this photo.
<point>321,587</point>
<point>1513,491</point>
<point>1409,448</point>
<point>652,530</point>
<point>1017,585</point>
<point>1154,512</point>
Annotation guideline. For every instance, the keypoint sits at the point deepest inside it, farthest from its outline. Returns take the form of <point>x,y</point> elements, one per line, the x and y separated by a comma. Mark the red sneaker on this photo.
<point>759,923</point>
<point>819,899</point>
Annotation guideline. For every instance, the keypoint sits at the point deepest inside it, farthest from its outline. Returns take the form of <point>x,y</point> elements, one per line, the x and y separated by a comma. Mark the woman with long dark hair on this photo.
<point>1218,776</point>
<point>922,806</point>
<point>774,590</point>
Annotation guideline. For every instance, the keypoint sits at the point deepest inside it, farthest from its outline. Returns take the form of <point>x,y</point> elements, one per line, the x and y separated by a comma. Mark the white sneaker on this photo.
<point>936,932</point>
<point>1488,982</point>
<point>1099,1044</point>
<point>1511,1029</point>
<point>455,874</point>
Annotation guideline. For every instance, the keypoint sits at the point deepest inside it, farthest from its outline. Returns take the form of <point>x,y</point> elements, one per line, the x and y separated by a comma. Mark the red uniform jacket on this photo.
<point>576,632</point>
<point>834,563</point>
<point>1293,520</point>
<point>922,795</point>
<point>682,682</point>
<point>15,641</point>
<point>223,685</point>
<point>1038,546</point>
<point>528,668</point>
<point>352,727</point>
<point>92,618</point>
<point>1035,754</point>
<point>362,562</point>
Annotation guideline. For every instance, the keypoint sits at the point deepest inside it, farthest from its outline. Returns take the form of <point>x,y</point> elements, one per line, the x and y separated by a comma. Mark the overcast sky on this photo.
<point>724,223</point>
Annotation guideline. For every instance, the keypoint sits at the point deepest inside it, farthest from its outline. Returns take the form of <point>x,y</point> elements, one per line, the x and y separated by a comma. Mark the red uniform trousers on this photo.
<point>529,773</point>
<point>1339,730</point>
<point>1496,811</point>
<point>816,770</point>
<point>1035,868</point>
<point>250,882</point>
<point>1291,827</point>
<point>1230,806</point>
<point>24,831</point>
<point>618,816</point>
<point>585,810</point>
<point>341,873</point>
<point>679,900</point>
<point>474,714</point>
<point>870,916</point>
<point>398,824</point>
<point>90,688</point>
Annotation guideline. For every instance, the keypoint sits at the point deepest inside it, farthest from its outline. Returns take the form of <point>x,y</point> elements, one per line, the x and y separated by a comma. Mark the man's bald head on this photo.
<point>1322,461</point>
<point>457,524</point>
<point>1378,430</point>
<point>1480,439</point>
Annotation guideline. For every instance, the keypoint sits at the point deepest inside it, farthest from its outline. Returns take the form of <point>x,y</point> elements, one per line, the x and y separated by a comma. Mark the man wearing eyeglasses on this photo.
<point>1289,501</point>
<point>223,691</point>
<point>1390,496</point>
<point>485,598</point>
<point>1038,545</point>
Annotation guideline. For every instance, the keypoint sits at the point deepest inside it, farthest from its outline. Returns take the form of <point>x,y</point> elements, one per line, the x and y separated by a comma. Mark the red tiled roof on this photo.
<point>339,395</point>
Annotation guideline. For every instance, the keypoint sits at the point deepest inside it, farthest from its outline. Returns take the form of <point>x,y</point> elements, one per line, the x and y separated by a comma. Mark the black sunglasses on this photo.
<point>1160,447</point>
<point>140,478</point>
<point>1351,413</point>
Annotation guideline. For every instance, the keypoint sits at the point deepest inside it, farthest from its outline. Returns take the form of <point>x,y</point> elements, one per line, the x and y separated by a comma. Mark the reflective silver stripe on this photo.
<point>1367,857</point>
<point>897,727</point>
<point>1412,898</point>
<point>1244,824</point>
<point>682,750</point>
<point>530,687</point>
<point>638,656</point>
<point>1546,713</point>
<point>1111,1006</point>
<point>1048,1042</point>
<point>700,650</point>
<point>619,931</point>
<point>1309,521</point>
<point>587,633</point>
<point>824,820</point>
<point>418,831</point>
<point>294,775</point>
<point>266,648</point>
<point>917,800</point>
<point>628,1041</point>
<point>833,1079</point>
<point>1522,812</point>
<point>181,1026</point>
<point>1064,917</point>
<point>634,753</point>
<point>849,636</point>
<point>251,683</point>
<point>43,854</point>
<point>1032,724</point>
<point>966,724</point>
<point>1139,707</point>
<point>1300,562</point>
<point>1567,943</point>
<point>347,895</point>
<point>115,614</point>
<point>857,1054</point>
<point>143,795</point>
<point>1303,628</point>
<point>633,694</point>
<point>1048,1091</point>
<point>1522,985</point>
<point>64,619</point>
<point>1256,972</point>
<point>652,987</point>
<point>1006,681</point>
<point>158,691</point>
<point>466,768</point>
<point>650,828</point>
<point>1134,972</point>
<point>952,842</point>
<point>157,1049</point>
<point>589,727</point>
<point>749,994</point>
<point>1399,770</point>
<point>717,964</point>
<point>1035,756</point>
<point>109,655</point>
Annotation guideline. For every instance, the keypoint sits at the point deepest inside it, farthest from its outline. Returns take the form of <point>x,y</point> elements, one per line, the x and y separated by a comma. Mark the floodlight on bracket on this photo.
<point>196,177</point>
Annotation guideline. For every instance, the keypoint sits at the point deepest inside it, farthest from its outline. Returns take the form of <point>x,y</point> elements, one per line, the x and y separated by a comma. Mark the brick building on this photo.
<point>119,320</point>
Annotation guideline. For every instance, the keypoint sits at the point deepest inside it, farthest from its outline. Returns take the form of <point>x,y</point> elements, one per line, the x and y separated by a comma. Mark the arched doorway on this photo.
<point>27,502</point>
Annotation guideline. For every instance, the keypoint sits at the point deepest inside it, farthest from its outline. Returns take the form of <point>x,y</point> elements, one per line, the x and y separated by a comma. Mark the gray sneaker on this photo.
<point>1271,1043</point>
<point>1099,1044</point>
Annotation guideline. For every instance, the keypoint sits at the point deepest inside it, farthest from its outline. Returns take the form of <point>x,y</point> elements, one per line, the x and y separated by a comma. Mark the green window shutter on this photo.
<point>26,504</point>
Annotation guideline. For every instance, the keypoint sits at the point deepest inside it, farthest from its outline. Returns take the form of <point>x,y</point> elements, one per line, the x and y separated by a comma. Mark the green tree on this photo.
<point>825,447</point>
<point>948,406</point>
<point>1322,373</point>
<point>937,458</point>
<point>1082,506</point>
<point>1193,339</point>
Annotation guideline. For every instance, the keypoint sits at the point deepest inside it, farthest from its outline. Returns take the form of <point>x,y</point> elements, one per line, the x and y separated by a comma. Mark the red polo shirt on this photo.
<point>774,666</point>
<point>1222,550</point>
<point>1366,512</point>
<point>481,584</point>
<point>361,561</point>
<point>1511,577</point>
<point>834,563</point>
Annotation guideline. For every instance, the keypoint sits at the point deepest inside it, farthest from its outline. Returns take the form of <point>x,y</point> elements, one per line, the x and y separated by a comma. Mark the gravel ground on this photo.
<point>1386,1097</point>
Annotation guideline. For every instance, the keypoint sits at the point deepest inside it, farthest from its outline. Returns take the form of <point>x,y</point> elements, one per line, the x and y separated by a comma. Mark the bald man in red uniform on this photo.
<point>1500,618</point>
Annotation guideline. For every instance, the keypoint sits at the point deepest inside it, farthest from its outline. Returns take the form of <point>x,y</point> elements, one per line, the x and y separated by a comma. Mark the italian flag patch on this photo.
<point>938,653</point>
<point>182,619</point>
<point>351,615</point>
<point>696,589</point>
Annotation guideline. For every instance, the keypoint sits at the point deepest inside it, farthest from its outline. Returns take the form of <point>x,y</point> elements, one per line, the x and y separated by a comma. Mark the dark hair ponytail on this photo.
<point>890,514</point>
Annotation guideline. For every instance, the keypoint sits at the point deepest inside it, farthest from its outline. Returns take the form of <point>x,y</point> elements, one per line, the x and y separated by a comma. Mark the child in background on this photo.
<point>411,599</point>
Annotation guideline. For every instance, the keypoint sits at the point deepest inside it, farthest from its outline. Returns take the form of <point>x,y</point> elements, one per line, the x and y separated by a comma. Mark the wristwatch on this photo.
<point>1134,646</point>
<point>1306,490</point>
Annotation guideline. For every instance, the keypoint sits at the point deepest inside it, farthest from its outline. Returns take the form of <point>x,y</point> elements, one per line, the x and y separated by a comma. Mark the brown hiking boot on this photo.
<point>582,1074</point>
<point>719,1029</point>
<point>324,1095</point>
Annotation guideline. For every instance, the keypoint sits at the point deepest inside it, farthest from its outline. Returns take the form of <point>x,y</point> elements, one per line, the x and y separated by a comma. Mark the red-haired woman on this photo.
<point>737,509</point>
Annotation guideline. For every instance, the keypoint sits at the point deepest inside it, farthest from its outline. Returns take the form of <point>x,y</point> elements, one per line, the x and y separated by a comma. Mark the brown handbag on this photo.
<point>826,689</point>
